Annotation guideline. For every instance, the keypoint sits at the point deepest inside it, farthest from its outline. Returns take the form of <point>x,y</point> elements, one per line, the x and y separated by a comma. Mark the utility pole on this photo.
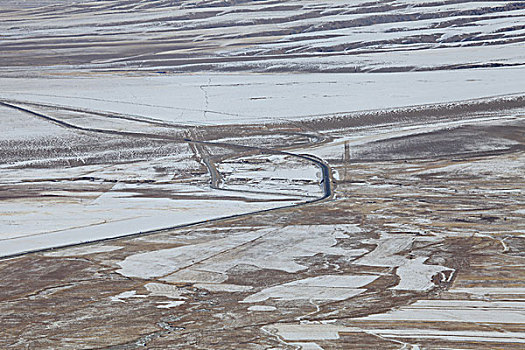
<point>346,159</point>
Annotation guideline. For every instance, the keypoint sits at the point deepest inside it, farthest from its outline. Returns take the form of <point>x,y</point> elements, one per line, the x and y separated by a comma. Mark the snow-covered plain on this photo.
<point>239,98</point>
<point>62,187</point>
<point>123,117</point>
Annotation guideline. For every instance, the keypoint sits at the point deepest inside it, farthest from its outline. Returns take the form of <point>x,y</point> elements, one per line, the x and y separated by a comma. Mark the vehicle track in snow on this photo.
<point>325,183</point>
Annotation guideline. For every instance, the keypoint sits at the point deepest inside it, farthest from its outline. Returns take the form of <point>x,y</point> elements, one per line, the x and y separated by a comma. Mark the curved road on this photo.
<point>326,180</point>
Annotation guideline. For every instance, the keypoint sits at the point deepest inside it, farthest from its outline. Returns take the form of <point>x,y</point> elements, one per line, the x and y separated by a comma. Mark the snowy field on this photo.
<point>262,174</point>
<point>59,188</point>
<point>240,98</point>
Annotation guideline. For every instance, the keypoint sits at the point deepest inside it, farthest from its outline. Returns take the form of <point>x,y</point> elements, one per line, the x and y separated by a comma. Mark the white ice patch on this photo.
<point>485,291</point>
<point>28,225</point>
<point>169,304</point>
<point>414,274</point>
<point>262,308</point>
<point>163,290</point>
<point>308,346</point>
<point>155,290</point>
<point>286,292</point>
<point>126,295</point>
<point>190,275</point>
<point>163,262</point>
<point>79,251</point>
<point>456,311</point>
<point>328,287</point>
<point>272,248</point>
<point>452,335</point>
<point>223,287</point>
<point>280,174</point>
<point>307,332</point>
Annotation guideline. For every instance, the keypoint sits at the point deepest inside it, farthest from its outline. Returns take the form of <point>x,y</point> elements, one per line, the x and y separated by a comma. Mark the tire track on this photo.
<point>326,180</point>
